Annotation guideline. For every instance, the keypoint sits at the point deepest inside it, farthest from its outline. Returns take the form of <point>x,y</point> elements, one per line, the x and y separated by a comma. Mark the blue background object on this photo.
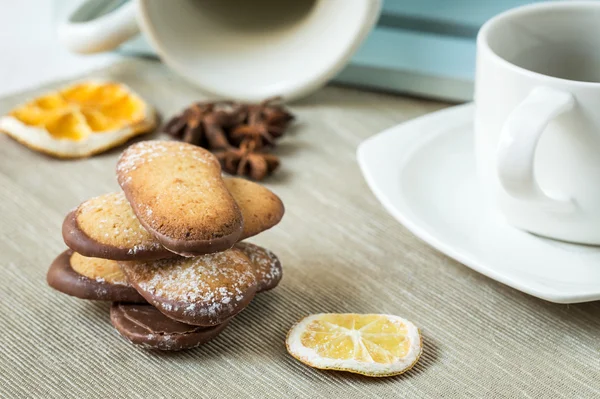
<point>424,47</point>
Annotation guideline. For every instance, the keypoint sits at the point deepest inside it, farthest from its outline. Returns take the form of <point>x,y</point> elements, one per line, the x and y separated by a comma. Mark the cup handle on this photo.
<point>518,142</point>
<point>101,34</point>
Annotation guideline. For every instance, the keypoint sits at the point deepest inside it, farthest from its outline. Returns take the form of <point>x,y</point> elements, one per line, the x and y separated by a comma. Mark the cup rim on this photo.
<point>368,16</point>
<point>482,35</point>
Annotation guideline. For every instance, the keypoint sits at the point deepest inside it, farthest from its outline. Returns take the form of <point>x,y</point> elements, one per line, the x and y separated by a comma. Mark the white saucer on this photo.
<point>423,172</point>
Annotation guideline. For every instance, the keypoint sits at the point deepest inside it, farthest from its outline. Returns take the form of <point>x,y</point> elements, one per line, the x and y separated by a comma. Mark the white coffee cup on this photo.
<point>242,49</point>
<point>537,118</point>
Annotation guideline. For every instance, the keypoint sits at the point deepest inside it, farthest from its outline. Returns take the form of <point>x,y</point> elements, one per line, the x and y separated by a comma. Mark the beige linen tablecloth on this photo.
<point>341,253</point>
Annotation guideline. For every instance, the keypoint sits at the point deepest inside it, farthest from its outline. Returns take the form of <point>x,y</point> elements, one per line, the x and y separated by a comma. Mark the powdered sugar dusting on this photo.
<point>140,153</point>
<point>267,267</point>
<point>109,219</point>
<point>177,191</point>
<point>210,286</point>
<point>148,151</point>
<point>137,248</point>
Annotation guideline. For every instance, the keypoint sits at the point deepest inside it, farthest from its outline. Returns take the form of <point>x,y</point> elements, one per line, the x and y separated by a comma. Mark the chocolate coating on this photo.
<point>204,291</point>
<point>77,240</point>
<point>187,247</point>
<point>198,214</point>
<point>144,325</point>
<point>266,265</point>
<point>63,278</point>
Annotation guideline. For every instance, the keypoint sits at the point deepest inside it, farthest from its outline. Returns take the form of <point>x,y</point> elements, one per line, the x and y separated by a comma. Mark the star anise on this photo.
<point>238,133</point>
<point>230,114</point>
<point>264,123</point>
<point>246,161</point>
<point>257,133</point>
<point>276,117</point>
<point>202,125</point>
<point>187,126</point>
<point>213,132</point>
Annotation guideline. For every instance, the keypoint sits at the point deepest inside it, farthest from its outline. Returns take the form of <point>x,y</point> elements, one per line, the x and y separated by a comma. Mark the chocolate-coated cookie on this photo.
<point>267,266</point>
<point>96,279</point>
<point>106,227</point>
<point>205,290</point>
<point>145,326</point>
<point>177,193</point>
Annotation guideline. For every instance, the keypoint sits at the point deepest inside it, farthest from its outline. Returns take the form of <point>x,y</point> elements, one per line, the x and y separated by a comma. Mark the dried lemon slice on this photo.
<point>80,120</point>
<point>375,345</point>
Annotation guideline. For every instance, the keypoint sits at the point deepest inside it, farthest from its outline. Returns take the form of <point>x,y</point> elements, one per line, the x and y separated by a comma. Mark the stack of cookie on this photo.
<point>168,250</point>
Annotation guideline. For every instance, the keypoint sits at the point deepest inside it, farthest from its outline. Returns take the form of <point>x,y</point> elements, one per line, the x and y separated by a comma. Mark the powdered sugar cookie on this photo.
<point>178,195</point>
<point>267,267</point>
<point>106,227</point>
<point>205,290</point>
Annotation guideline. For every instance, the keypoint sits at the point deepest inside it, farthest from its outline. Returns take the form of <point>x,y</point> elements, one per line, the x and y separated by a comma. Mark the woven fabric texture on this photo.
<point>340,250</point>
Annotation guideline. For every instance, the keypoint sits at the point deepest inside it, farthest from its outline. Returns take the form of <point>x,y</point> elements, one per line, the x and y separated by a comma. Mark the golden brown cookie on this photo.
<point>106,227</point>
<point>178,195</point>
<point>267,266</point>
<point>261,208</point>
<point>205,290</point>
<point>90,278</point>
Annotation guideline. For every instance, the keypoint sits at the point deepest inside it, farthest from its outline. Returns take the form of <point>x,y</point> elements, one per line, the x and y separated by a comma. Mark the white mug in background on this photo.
<point>537,118</point>
<point>242,49</point>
